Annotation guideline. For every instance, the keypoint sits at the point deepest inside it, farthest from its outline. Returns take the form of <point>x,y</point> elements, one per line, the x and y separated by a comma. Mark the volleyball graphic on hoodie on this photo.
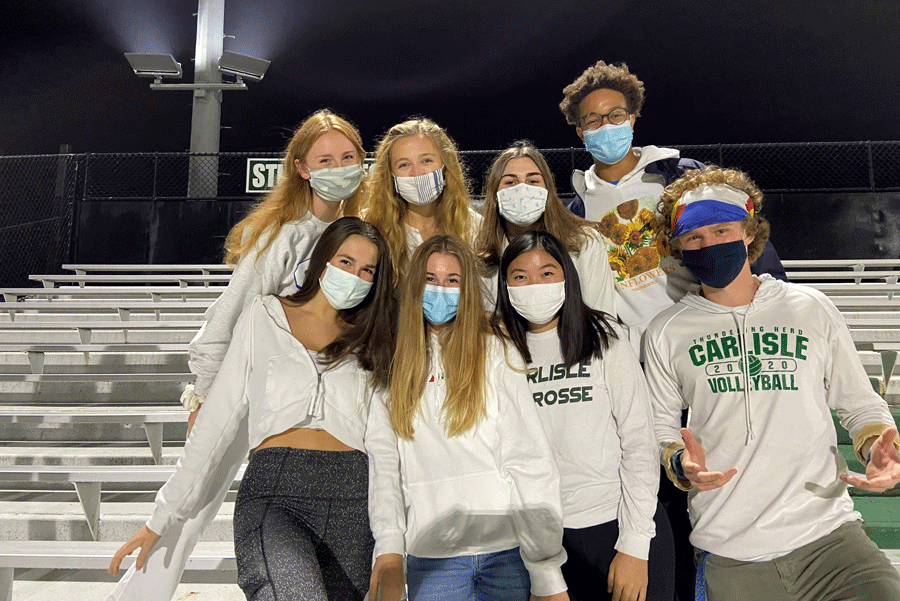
<point>754,365</point>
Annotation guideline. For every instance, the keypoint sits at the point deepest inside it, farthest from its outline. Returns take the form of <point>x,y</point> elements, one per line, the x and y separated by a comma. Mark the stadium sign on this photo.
<point>262,174</point>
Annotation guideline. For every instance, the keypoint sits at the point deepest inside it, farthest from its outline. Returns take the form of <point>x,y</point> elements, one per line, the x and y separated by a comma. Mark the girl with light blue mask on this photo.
<point>480,493</point>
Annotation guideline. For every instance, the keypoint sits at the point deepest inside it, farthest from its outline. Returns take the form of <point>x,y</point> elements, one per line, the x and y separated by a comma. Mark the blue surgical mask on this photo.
<point>440,303</point>
<point>609,143</point>
<point>717,265</point>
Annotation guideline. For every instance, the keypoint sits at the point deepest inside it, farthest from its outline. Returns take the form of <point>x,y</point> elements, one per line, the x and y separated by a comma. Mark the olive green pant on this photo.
<point>844,565</point>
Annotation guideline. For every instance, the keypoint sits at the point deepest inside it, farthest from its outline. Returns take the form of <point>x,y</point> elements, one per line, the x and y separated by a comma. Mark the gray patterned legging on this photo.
<point>301,526</point>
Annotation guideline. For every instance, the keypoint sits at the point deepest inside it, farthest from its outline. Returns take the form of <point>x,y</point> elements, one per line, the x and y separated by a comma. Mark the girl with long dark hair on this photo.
<point>592,400</point>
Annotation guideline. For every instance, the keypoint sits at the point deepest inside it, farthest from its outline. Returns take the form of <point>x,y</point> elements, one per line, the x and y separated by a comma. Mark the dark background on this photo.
<point>488,71</point>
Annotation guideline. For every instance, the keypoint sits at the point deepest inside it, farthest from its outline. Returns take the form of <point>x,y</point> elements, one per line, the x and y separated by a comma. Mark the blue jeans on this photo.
<point>497,576</point>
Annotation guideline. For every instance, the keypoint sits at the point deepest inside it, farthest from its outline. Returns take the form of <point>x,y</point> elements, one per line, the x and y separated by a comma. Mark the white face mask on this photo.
<point>343,289</point>
<point>538,303</point>
<point>334,184</point>
<point>522,204</point>
<point>420,189</point>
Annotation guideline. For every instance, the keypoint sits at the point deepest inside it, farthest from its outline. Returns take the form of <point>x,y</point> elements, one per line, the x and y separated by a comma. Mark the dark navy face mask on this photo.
<point>717,265</point>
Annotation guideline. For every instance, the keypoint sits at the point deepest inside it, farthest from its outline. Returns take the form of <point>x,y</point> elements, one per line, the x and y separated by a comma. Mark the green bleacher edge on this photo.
<point>880,511</point>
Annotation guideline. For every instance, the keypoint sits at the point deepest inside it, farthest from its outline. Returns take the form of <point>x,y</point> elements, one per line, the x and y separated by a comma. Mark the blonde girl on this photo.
<point>482,506</point>
<point>418,189</point>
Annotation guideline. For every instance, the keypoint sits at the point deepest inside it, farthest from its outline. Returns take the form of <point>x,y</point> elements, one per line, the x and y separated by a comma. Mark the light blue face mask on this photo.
<point>440,303</point>
<point>609,143</point>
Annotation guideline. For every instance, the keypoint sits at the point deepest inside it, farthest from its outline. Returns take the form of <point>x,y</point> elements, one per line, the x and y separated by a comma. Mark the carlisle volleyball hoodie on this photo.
<point>760,381</point>
<point>646,276</point>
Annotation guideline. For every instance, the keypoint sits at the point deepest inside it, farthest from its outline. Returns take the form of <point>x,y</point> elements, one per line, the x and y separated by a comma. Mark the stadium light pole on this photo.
<point>210,63</point>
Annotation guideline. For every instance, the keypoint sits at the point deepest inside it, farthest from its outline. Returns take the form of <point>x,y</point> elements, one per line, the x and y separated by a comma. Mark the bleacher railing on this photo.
<point>42,195</point>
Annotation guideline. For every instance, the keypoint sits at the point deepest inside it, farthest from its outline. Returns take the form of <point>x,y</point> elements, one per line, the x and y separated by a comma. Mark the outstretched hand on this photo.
<point>693,463</point>
<point>883,471</point>
<point>143,538</point>
<point>387,575</point>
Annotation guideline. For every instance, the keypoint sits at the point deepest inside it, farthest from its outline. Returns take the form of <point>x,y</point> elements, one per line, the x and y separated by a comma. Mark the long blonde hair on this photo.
<point>291,197</point>
<point>384,208</point>
<point>463,344</point>
<point>565,226</point>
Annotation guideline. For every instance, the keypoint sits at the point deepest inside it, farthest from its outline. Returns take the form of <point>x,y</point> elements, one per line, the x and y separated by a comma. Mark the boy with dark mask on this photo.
<point>760,363</point>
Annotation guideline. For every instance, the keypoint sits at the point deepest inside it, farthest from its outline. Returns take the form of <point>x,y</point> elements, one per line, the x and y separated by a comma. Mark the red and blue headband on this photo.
<point>708,205</point>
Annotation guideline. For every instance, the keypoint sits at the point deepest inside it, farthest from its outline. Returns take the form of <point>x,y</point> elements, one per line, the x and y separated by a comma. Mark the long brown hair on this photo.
<point>565,226</point>
<point>291,197</point>
<point>463,344</point>
<point>372,334</point>
<point>385,208</point>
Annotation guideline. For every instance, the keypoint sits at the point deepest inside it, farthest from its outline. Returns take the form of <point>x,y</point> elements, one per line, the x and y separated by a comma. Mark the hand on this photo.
<point>143,538</point>
<point>627,579</point>
<point>563,596</point>
<point>387,574</point>
<point>192,418</point>
<point>883,471</point>
<point>693,462</point>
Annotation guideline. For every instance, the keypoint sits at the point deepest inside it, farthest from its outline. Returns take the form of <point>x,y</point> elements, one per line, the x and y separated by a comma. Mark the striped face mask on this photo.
<point>420,189</point>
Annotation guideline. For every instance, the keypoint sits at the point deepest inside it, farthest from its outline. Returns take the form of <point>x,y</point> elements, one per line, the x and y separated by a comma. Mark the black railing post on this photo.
<point>871,165</point>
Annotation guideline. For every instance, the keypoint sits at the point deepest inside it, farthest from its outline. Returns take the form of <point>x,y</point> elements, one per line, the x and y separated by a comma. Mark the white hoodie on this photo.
<point>490,489</point>
<point>597,417</point>
<point>280,269</point>
<point>647,278</point>
<point>268,383</point>
<point>775,427</point>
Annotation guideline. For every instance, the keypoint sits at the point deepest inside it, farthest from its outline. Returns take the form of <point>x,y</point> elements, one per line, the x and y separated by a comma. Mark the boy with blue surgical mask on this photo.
<point>621,189</point>
<point>760,363</point>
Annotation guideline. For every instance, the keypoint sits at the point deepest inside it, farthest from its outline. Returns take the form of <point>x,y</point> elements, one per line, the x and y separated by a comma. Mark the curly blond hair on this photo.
<point>599,76</point>
<point>755,225</point>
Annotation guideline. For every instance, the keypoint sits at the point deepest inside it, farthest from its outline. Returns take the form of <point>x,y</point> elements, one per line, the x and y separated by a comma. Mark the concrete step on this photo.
<point>60,520</point>
<point>70,336</point>
<point>80,433</point>
<point>68,454</point>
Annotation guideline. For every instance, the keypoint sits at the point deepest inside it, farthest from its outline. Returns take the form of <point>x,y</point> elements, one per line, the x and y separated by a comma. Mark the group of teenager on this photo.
<point>456,405</point>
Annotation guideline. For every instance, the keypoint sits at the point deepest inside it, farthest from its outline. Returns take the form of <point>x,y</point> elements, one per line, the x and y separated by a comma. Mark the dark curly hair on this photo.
<point>599,76</point>
<point>755,225</point>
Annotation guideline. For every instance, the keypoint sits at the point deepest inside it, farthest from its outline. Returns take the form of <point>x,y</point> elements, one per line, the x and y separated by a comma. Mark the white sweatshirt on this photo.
<point>597,417</point>
<point>597,288</point>
<point>280,269</point>
<point>268,383</point>
<point>775,427</point>
<point>414,236</point>
<point>491,489</point>
<point>647,278</point>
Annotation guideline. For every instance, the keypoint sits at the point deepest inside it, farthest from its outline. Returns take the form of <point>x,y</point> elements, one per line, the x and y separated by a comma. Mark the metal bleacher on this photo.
<point>91,371</point>
<point>92,366</point>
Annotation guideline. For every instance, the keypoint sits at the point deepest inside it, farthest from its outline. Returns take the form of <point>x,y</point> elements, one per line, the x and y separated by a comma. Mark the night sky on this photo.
<point>490,72</point>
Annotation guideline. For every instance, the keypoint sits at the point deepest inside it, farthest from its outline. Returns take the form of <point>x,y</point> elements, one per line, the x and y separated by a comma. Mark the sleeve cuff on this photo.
<point>634,544</point>
<point>671,449</point>
<point>389,543</point>
<point>867,433</point>
<point>546,581</point>
<point>160,521</point>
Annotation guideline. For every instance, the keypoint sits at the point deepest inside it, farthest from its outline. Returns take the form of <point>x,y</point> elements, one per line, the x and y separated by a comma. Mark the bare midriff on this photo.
<point>304,438</point>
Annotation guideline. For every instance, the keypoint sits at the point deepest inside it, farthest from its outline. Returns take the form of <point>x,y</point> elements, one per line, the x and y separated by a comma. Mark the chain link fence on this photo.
<point>776,168</point>
<point>43,195</point>
<point>37,196</point>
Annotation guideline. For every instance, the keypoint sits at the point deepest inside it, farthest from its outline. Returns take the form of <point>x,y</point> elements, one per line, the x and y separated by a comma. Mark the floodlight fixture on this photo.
<point>156,66</point>
<point>241,66</point>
